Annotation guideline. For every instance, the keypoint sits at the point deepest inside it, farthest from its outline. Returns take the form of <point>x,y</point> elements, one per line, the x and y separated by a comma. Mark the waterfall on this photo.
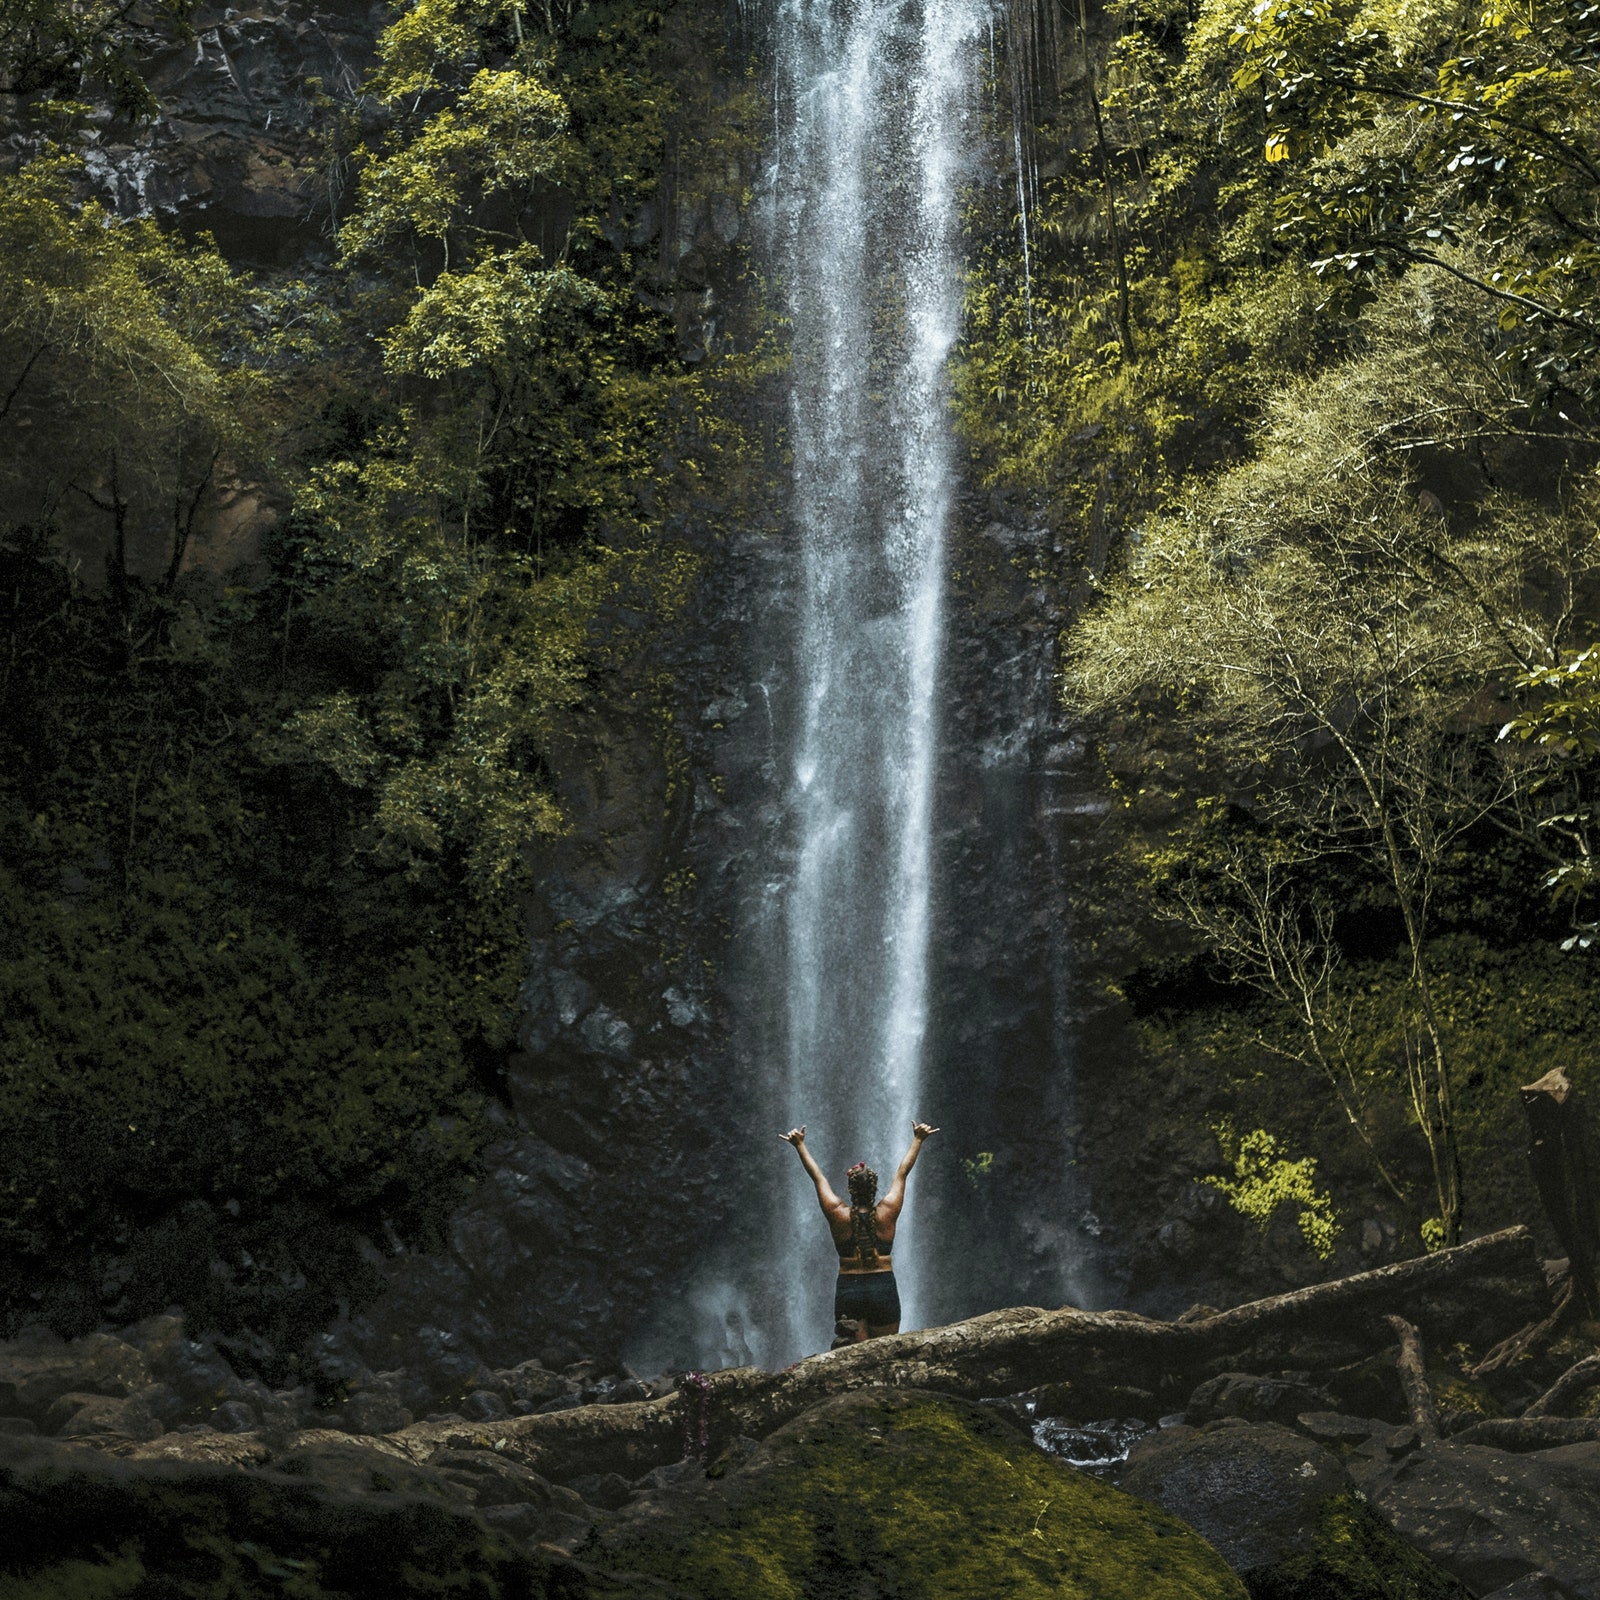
<point>878,125</point>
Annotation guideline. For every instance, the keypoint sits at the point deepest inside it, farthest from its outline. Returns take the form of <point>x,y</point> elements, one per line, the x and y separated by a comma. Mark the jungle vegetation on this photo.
<point>1303,364</point>
<point>263,828</point>
<point>1307,357</point>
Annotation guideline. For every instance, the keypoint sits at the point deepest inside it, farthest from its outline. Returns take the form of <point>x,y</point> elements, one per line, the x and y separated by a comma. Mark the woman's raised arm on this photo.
<point>896,1197</point>
<point>829,1201</point>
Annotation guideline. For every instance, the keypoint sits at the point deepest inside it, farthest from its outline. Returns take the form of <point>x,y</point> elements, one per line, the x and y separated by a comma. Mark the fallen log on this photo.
<point>1469,1293</point>
<point>1578,1377</point>
<point>1414,1380</point>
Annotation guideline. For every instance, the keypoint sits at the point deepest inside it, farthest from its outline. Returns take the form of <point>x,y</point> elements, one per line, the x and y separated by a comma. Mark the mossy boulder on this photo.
<point>1354,1556</point>
<point>900,1493</point>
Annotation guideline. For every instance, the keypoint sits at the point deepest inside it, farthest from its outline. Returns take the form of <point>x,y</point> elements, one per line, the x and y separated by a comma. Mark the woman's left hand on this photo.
<point>921,1130</point>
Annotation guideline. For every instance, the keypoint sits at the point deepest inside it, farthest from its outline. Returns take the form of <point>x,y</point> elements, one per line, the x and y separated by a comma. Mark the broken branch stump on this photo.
<point>1559,1153</point>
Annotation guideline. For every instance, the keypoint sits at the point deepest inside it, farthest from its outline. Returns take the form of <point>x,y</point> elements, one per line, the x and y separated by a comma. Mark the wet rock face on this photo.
<point>1496,1520</point>
<point>236,148</point>
<point>1253,1490</point>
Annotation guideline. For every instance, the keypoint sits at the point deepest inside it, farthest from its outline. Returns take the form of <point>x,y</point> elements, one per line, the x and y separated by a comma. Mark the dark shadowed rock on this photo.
<point>1254,1490</point>
<point>370,1412</point>
<point>346,1467</point>
<point>234,1416</point>
<point>1536,1586</point>
<point>78,1524</point>
<point>1239,1394</point>
<point>1333,1427</point>
<point>92,1416</point>
<point>194,1369</point>
<point>35,1373</point>
<point>489,1478</point>
<point>1354,1556</point>
<point>608,1490</point>
<point>484,1405</point>
<point>533,1383</point>
<point>1496,1519</point>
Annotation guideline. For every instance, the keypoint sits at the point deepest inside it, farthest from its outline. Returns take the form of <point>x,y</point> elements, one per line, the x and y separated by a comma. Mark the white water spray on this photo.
<point>878,124</point>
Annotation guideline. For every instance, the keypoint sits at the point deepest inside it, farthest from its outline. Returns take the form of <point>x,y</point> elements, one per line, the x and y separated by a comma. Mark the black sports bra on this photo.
<point>848,1248</point>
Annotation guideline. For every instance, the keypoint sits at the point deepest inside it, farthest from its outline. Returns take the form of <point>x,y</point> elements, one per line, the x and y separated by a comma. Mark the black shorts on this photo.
<point>869,1297</point>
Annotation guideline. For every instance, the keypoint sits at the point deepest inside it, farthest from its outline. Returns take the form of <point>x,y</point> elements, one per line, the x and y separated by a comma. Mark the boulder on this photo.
<point>234,1416</point>
<point>37,1372</point>
<point>489,1478</point>
<point>1495,1519</point>
<point>531,1382</point>
<point>194,1369</point>
<point>880,1493</point>
<point>369,1411</point>
<point>481,1405</point>
<point>608,1490</point>
<point>1254,1490</point>
<point>1333,1427</point>
<point>1354,1556</point>
<point>342,1466</point>
<point>514,1500</point>
<point>1284,1513</point>
<point>93,1416</point>
<point>1536,1586</point>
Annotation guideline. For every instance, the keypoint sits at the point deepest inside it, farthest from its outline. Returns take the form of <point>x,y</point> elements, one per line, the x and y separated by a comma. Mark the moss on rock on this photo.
<point>886,1493</point>
<point>1354,1556</point>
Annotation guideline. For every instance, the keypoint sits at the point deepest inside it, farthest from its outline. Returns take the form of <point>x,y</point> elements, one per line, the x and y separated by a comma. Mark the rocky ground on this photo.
<point>1287,1448</point>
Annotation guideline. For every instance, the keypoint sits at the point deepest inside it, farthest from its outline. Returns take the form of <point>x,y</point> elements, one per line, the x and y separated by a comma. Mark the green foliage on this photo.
<point>1507,1016</point>
<point>115,386</point>
<point>1494,144</point>
<point>977,1168</point>
<point>1565,719</point>
<point>263,831</point>
<point>1264,1178</point>
<point>1329,505</point>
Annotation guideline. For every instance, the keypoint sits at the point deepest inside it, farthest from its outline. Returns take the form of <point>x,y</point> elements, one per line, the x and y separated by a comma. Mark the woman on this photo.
<point>863,1234</point>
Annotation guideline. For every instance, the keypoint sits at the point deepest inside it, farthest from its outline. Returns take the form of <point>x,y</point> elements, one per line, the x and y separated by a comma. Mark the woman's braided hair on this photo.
<point>863,1183</point>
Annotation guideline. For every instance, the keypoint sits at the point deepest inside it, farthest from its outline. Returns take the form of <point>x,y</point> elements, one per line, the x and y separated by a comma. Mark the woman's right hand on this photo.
<point>795,1136</point>
<point>919,1131</point>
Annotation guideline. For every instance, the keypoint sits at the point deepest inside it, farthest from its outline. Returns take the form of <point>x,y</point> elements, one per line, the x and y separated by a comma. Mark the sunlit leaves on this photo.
<point>504,133</point>
<point>490,316</point>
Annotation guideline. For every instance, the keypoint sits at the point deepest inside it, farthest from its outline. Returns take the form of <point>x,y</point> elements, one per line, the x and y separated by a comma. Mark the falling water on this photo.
<point>877,126</point>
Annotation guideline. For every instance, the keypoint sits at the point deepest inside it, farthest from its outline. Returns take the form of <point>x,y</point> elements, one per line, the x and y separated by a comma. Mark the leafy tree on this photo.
<point>1329,636</point>
<point>262,833</point>
<point>115,386</point>
<point>1496,143</point>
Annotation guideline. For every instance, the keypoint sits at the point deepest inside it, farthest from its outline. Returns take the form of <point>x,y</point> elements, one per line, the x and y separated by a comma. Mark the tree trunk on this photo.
<point>1559,1153</point>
